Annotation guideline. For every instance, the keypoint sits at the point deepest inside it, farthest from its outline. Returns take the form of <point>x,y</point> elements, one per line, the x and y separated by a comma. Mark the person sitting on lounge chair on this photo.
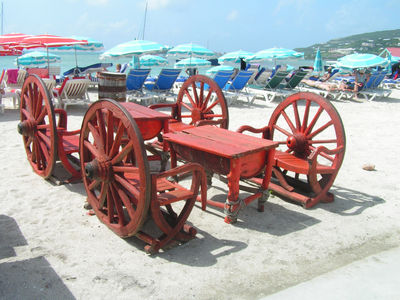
<point>360,77</point>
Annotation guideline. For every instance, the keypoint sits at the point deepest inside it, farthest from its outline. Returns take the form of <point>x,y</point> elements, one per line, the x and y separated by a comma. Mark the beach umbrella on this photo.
<point>48,41</point>
<point>191,49</point>
<point>192,62</point>
<point>150,60</point>
<point>235,56</point>
<point>12,38</point>
<point>358,60</point>
<point>274,54</point>
<point>135,47</point>
<point>36,58</point>
<point>318,65</point>
<point>92,44</point>
<point>211,71</point>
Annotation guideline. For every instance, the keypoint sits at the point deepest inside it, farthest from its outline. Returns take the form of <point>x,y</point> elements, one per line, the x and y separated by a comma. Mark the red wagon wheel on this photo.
<point>37,126</point>
<point>303,124</point>
<point>200,98</point>
<point>114,163</point>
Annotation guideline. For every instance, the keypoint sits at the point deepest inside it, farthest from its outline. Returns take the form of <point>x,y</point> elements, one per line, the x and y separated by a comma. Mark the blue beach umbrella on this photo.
<point>275,54</point>
<point>92,44</point>
<point>234,56</point>
<point>192,62</point>
<point>150,60</point>
<point>214,70</point>
<point>318,65</point>
<point>358,60</point>
<point>191,49</point>
<point>37,58</point>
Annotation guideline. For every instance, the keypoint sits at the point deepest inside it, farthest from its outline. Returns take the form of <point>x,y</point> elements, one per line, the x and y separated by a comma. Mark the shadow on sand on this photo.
<point>26,279</point>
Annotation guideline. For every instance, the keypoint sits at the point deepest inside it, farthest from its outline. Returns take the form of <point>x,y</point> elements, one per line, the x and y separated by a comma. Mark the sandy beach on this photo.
<point>50,248</point>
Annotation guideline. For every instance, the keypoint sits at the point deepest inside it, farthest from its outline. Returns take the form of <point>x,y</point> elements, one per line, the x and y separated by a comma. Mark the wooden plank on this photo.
<point>139,112</point>
<point>229,144</point>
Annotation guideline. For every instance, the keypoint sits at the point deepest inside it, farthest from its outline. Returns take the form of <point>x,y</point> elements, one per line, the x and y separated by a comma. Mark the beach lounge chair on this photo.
<point>270,90</point>
<point>222,77</point>
<point>134,85</point>
<point>72,91</point>
<point>236,88</point>
<point>372,91</point>
<point>13,79</point>
<point>287,88</point>
<point>161,88</point>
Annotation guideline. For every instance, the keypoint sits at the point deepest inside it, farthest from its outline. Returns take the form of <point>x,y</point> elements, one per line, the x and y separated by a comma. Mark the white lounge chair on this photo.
<point>72,91</point>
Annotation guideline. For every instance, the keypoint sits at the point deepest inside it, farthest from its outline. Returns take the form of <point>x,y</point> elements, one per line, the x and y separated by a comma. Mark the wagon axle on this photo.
<point>97,170</point>
<point>299,144</point>
<point>27,128</point>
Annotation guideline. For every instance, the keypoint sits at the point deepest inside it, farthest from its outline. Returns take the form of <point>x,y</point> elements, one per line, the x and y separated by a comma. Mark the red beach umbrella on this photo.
<point>12,38</point>
<point>48,41</point>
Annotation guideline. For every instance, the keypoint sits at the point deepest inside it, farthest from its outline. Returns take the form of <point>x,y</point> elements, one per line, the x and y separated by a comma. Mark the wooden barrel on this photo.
<point>112,85</point>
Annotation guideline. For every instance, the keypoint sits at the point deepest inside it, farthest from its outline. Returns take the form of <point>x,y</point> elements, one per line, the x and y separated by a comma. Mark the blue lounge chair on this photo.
<point>161,87</point>
<point>134,84</point>
<point>236,87</point>
<point>222,77</point>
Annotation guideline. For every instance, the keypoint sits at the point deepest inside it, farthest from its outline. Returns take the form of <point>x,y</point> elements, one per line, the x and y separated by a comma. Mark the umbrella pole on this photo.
<point>48,63</point>
<point>76,58</point>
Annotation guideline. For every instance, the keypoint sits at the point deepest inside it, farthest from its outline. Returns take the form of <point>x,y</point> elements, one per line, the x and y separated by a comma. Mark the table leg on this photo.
<point>233,203</point>
<point>266,180</point>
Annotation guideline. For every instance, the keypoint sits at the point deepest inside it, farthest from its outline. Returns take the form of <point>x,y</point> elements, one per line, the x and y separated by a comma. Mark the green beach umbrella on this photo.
<point>318,65</point>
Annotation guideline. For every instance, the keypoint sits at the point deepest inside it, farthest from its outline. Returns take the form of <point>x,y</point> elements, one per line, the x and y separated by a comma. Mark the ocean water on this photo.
<point>69,61</point>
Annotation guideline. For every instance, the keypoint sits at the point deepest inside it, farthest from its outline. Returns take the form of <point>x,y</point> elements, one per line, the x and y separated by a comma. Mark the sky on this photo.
<point>221,26</point>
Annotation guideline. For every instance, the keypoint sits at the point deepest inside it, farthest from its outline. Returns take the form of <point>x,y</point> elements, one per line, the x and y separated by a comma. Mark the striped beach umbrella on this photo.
<point>214,70</point>
<point>37,58</point>
<point>361,60</point>
<point>318,65</point>
<point>135,47</point>
<point>274,54</point>
<point>191,49</point>
<point>235,56</point>
<point>192,62</point>
<point>92,44</point>
<point>150,60</point>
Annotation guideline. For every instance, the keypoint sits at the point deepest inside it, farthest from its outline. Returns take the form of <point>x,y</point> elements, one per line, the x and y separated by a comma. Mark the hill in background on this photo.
<point>372,42</point>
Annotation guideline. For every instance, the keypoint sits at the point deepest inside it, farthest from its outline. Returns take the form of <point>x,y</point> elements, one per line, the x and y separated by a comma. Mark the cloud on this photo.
<point>161,4</point>
<point>97,2</point>
<point>233,15</point>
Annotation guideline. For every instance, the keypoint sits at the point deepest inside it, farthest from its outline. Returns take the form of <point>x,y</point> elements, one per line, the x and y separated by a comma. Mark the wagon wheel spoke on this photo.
<point>319,130</point>
<point>117,204</point>
<point>129,187</point>
<point>93,150</point>
<point>288,121</point>
<point>117,141</point>
<point>296,115</point>
<point>110,206</point>
<point>196,96</point>
<point>127,203</point>
<point>98,139</point>
<point>110,132</point>
<point>314,121</point>
<point>306,114</point>
<point>190,98</point>
<point>122,154</point>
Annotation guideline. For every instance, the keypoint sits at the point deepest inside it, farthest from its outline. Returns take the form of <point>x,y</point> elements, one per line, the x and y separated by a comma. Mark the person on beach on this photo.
<point>191,71</point>
<point>360,77</point>
<point>243,64</point>
<point>118,68</point>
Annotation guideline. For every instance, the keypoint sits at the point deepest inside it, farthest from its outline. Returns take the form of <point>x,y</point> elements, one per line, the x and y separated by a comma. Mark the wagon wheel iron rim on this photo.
<point>37,126</point>
<point>200,98</point>
<point>114,167</point>
<point>305,121</point>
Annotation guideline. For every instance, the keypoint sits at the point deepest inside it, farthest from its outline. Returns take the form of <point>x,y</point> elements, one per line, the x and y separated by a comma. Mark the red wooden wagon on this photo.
<point>112,162</point>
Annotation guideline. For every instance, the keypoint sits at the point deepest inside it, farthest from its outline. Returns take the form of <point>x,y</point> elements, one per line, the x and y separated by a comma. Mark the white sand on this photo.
<point>50,248</point>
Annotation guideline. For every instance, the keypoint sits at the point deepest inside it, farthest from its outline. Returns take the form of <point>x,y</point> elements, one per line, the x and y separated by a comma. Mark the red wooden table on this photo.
<point>149,121</point>
<point>227,153</point>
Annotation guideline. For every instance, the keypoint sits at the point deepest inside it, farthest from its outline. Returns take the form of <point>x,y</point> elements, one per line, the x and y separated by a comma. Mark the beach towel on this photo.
<point>12,76</point>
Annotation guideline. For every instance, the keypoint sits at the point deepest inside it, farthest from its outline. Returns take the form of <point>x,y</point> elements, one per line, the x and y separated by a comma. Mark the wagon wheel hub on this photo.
<point>196,114</point>
<point>299,144</point>
<point>99,170</point>
<point>27,127</point>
